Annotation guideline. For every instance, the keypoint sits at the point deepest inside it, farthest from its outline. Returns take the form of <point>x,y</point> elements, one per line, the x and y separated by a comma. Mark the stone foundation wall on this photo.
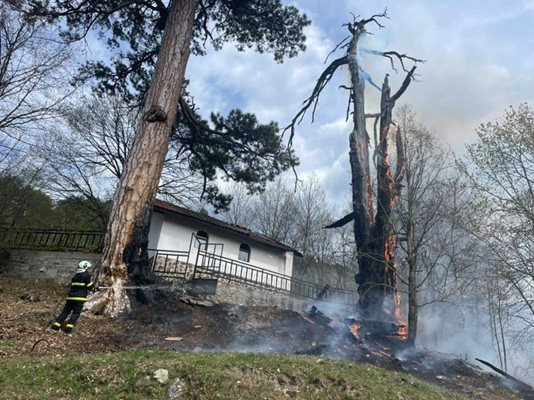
<point>57,265</point>
<point>237,293</point>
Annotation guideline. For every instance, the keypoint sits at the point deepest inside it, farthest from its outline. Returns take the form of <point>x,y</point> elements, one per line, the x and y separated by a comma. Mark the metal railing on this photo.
<point>343,296</point>
<point>169,263</point>
<point>52,239</point>
<point>212,265</point>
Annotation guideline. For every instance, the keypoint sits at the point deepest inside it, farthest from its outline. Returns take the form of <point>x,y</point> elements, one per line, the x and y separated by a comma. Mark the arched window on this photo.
<point>244,252</point>
<point>202,240</point>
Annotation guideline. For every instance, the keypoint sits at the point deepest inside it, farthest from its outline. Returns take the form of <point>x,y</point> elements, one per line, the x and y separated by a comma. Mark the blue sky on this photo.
<point>479,60</point>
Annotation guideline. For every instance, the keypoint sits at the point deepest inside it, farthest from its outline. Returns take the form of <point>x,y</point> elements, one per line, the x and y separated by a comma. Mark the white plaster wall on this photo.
<point>288,267</point>
<point>260,256</point>
<point>175,234</point>
<point>156,222</point>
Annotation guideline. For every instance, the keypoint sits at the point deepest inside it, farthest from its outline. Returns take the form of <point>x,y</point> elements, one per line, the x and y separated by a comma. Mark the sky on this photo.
<point>479,61</point>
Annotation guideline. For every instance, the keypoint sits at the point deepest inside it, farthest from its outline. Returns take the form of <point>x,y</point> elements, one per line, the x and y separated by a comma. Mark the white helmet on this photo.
<point>83,266</point>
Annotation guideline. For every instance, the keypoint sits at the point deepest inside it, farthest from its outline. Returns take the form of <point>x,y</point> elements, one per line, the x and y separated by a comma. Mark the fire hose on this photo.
<point>146,287</point>
<point>58,304</point>
<point>48,322</point>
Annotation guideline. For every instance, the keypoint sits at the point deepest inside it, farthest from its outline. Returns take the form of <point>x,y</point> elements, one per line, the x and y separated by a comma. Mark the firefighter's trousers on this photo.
<point>73,306</point>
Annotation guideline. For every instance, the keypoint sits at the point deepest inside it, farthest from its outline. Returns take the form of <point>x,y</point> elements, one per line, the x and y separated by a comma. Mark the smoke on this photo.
<point>272,330</point>
<point>445,328</point>
<point>466,333</point>
<point>370,51</point>
<point>337,311</point>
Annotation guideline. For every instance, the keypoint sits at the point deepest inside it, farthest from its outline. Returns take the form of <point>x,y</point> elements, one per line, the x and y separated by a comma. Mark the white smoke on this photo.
<point>465,332</point>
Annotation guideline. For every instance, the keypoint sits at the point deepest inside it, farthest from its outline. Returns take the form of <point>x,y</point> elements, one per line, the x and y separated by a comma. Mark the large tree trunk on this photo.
<point>377,273</point>
<point>388,191</point>
<point>376,246</point>
<point>374,235</point>
<point>138,184</point>
<point>362,200</point>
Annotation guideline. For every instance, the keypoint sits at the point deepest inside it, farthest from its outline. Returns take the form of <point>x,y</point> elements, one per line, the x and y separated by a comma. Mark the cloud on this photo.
<point>478,63</point>
<point>227,79</point>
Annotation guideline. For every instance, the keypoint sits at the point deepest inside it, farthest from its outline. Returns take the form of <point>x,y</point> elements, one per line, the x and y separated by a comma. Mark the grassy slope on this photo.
<point>128,375</point>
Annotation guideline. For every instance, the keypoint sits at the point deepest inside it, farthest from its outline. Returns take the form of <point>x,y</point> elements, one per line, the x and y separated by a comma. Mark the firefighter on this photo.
<point>81,284</point>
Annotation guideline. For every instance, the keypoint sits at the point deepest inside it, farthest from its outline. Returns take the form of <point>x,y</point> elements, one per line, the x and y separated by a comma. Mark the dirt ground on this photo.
<point>27,309</point>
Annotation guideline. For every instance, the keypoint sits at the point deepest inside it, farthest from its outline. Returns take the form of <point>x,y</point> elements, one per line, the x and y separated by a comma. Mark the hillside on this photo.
<point>130,375</point>
<point>106,359</point>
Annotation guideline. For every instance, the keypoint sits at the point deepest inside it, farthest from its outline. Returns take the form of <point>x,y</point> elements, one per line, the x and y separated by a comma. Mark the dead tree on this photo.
<point>373,231</point>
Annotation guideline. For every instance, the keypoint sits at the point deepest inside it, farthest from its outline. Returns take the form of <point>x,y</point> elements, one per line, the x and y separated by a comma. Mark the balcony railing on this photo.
<point>52,239</point>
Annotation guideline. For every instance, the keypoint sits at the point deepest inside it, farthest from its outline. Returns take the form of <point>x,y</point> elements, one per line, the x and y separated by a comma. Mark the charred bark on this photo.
<point>137,186</point>
<point>373,230</point>
<point>378,274</point>
<point>374,235</point>
<point>362,200</point>
<point>341,222</point>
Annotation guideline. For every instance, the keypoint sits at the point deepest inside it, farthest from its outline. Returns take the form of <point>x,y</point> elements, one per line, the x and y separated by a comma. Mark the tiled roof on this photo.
<point>164,206</point>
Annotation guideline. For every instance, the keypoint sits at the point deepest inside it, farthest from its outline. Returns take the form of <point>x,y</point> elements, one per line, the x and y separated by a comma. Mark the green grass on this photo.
<point>7,344</point>
<point>128,375</point>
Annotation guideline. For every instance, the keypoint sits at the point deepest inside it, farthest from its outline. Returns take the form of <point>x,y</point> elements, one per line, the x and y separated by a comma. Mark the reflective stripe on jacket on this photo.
<point>80,286</point>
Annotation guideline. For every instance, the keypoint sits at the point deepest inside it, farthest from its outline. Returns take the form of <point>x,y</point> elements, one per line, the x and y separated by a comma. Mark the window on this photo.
<point>244,252</point>
<point>202,240</point>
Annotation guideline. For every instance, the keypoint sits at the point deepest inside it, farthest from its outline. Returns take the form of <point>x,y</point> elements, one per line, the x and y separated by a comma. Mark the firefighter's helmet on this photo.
<point>83,266</point>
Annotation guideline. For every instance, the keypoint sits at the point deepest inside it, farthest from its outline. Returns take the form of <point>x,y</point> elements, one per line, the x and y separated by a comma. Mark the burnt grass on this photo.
<point>27,307</point>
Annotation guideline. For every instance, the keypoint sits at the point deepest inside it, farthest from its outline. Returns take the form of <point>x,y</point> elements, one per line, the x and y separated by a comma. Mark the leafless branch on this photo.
<point>314,98</point>
<point>341,222</point>
<point>349,101</point>
<point>374,18</point>
<point>335,48</point>
<point>32,73</point>
<point>400,58</point>
<point>404,85</point>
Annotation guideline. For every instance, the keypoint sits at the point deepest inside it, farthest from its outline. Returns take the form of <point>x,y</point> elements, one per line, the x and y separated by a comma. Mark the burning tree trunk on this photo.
<point>377,276</point>
<point>373,231</point>
<point>138,183</point>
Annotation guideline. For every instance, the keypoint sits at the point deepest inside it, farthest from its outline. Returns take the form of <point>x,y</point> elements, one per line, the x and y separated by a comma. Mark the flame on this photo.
<point>403,326</point>
<point>391,281</point>
<point>355,330</point>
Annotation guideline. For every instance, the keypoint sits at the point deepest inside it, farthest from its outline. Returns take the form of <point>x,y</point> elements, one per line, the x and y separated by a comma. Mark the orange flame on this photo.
<point>403,326</point>
<point>355,330</point>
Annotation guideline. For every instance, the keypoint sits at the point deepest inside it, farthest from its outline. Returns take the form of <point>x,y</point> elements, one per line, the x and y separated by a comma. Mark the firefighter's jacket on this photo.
<point>81,285</point>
